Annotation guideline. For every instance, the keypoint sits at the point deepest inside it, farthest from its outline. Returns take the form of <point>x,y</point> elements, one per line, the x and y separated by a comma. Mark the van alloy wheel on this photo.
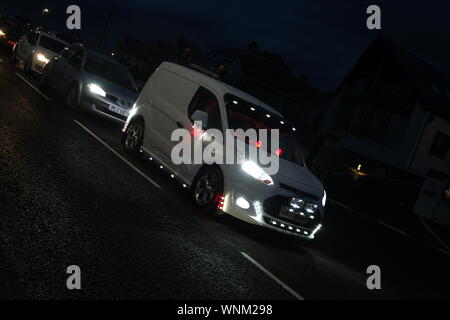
<point>133,137</point>
<point>208,189</point>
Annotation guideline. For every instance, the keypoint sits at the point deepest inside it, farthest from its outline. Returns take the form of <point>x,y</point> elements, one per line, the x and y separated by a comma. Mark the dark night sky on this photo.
<point>318,38</point>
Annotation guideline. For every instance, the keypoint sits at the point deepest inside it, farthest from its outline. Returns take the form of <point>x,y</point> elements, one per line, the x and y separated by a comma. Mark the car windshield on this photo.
<point>110,71</point>
<point>51,44</point>
<point>245,115</point>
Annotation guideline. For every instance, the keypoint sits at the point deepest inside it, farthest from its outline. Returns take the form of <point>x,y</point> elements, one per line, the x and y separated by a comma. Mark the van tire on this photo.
<point>133,136</point>
<point>207,189</point>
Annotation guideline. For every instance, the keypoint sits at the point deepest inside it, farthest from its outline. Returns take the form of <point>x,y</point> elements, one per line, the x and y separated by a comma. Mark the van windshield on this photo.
<point>245,115</point>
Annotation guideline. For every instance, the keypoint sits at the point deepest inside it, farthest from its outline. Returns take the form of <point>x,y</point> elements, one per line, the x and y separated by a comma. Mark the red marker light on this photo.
<point>259,144</point>
<point>279,152</point>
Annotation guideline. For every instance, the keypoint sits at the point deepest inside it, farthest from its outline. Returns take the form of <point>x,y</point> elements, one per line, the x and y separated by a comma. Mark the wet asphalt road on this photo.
<point>65,199</point>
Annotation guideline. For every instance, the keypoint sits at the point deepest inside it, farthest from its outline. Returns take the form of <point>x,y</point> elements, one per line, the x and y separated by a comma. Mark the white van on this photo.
<point>291,201</point>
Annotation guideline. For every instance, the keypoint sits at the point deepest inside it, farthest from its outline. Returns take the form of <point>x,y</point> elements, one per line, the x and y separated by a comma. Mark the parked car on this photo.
<point>12,28</point>
<point>36,48</point>
<point>291,201</point>
<point>91,81</point>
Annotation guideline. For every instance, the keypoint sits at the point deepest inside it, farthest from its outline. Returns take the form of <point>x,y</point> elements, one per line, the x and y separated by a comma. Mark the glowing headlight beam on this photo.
<point>257,172</point>
<point>95,89</point>
<point>42,58</point>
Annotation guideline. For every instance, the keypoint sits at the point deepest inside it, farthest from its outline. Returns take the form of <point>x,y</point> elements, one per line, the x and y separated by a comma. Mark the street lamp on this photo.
<point>45,11</point>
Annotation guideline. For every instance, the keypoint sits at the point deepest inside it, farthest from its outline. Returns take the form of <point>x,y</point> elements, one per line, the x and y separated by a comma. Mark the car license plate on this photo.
<point>120,111</point>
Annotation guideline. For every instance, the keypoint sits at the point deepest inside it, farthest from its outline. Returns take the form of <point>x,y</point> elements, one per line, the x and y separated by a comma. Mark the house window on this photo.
<point>440,145</point>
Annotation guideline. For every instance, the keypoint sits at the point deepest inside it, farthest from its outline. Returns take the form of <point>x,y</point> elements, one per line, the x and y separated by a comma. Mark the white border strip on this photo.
<point>32,86</point>
<point>118,155</point>
<point>274,278</point>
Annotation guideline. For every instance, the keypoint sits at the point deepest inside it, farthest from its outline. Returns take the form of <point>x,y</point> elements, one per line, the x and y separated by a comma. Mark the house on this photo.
<point>391,115</point>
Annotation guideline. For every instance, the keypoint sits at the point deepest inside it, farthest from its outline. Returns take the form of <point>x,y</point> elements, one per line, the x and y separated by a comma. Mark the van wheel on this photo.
<point>72,99</point>
<point>208,190</point>
<point>133,137</point>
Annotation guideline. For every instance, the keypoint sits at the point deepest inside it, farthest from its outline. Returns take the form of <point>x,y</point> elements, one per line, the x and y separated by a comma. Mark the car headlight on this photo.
<point>2,33</point>
<point>42,58</point>
<point>324,199</point>
<point>95,89</point>
<point>257,172</point>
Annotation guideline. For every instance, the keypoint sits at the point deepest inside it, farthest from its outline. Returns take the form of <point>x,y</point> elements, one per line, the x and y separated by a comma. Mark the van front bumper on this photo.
<point>266,211</point>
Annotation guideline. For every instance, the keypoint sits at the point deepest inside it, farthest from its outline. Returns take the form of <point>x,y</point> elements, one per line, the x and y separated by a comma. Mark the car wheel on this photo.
<point>27,66</point>
<point>43,79</point>
<point>134,136</point>
<point>72,99</point>
<point>13,57</point>
<point>208,190</point>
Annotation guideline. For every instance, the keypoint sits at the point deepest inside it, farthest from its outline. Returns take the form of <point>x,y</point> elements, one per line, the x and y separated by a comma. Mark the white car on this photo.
<point>291,201</point>
<point>35,49</point>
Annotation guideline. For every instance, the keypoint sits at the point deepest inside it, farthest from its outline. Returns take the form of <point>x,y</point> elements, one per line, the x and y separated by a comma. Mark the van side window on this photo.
<point>204,100</point>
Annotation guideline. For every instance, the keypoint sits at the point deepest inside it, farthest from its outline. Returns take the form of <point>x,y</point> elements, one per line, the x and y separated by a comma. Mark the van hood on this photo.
<point>299,177</point>
<point>293,175</point>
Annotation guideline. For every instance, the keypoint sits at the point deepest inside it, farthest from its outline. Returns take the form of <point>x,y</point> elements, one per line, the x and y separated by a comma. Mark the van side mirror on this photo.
<point>200,116</point>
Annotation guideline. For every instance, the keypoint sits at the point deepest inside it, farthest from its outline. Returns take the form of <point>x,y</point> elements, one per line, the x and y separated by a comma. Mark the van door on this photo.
<point>204,100</point>
<point>169,97</point>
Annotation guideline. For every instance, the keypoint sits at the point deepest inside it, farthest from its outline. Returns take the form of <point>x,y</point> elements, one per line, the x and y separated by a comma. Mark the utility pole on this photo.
<point>111,12</point>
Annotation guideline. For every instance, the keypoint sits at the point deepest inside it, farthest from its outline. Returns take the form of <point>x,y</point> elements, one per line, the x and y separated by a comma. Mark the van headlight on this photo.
<point>96,89</point>
<point>324,199</point>
<point>257,172</point>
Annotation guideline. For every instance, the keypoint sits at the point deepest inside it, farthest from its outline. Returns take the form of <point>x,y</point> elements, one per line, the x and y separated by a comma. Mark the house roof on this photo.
<point>431,84</point>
